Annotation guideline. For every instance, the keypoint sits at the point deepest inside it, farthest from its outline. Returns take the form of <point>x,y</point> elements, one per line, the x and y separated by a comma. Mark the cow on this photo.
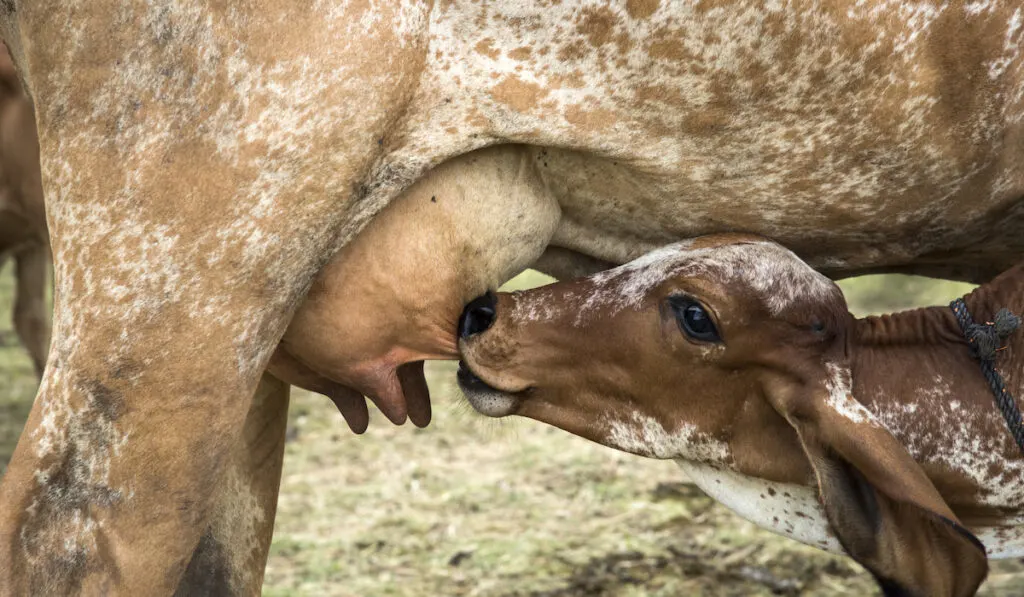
<point>23,233</point>
<point>202,162</point>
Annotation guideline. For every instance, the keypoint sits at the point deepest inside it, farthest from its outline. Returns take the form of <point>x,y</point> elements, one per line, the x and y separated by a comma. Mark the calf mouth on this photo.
<point>484,398</point>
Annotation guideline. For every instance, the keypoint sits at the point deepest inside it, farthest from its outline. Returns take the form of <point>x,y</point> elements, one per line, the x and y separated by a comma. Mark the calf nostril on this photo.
<point>478,315</point>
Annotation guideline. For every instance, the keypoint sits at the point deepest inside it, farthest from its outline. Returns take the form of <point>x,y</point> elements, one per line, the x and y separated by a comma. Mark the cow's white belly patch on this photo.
<point>794,511</point>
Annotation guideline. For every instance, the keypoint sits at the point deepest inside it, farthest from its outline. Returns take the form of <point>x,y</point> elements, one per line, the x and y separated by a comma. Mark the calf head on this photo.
<point>730,351</point>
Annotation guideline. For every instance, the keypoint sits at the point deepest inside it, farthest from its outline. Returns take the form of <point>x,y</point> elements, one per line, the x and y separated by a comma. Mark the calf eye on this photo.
<point>694,320</point>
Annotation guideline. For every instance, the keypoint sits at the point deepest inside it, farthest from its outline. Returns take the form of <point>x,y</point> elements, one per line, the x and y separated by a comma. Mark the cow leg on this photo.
<point>151,378</point>
<point>163,326</point>
<point>232,552</point>
<point>197,177</point>
<point>31,317</point>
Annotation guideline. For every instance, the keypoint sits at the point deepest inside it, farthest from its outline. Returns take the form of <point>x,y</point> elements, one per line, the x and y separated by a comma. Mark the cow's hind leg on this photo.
<point>31,317</point>
<point>232,552</point>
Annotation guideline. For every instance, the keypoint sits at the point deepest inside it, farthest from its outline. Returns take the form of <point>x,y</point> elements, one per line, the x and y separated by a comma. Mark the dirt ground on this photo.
<point>476,507</point>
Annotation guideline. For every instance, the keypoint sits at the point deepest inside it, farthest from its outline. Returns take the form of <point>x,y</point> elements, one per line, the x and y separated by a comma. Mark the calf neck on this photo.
<point>915,372</point>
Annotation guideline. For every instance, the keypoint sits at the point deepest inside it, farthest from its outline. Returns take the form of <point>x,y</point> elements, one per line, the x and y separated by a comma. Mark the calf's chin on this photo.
<point>483,398</point>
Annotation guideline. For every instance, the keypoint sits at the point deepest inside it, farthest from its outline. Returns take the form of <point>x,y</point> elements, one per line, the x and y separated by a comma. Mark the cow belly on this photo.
<point>614,211</point>
<point>861,139</point>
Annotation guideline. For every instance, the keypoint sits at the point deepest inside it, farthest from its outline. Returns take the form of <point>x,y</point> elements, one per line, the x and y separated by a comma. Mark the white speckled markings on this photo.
<point>794,511</point>
<point>201,160</point>
<point>773,273</point>
<point>840,396</point>
<point>787,509</point>
<point>644,435</point>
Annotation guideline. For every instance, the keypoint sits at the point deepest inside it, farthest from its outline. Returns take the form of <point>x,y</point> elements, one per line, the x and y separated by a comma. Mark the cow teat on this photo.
<point>395,295</point>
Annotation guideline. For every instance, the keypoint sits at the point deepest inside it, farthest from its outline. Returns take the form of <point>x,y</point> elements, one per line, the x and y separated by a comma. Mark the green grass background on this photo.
<point>477,507</point>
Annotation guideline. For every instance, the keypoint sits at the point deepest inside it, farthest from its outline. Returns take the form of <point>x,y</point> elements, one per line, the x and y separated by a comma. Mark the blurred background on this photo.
<point>476,507</point>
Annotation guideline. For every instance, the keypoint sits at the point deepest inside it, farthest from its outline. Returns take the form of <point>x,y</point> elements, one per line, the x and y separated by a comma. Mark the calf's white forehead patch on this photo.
<point>775,275</point>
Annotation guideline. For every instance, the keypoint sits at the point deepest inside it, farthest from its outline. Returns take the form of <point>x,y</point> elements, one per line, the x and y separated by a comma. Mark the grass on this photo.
<point>476,507</point>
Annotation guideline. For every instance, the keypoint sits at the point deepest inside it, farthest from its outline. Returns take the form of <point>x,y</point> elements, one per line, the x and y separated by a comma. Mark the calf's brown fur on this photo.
<point>888,418</point>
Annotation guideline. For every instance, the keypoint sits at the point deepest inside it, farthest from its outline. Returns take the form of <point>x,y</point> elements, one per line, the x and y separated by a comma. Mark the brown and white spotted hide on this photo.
<point>203,161</point>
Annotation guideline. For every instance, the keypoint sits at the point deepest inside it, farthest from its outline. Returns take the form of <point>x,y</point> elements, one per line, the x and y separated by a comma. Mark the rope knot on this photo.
<point>1005,323</point>
<point>987,338</point>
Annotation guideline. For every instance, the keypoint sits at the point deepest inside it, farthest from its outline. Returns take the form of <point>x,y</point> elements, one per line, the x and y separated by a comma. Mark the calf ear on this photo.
<point>880,504</point>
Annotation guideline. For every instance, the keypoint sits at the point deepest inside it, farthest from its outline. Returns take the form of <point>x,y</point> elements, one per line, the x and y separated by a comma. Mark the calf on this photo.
<point>23,232</point>
<point>877,436</point>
